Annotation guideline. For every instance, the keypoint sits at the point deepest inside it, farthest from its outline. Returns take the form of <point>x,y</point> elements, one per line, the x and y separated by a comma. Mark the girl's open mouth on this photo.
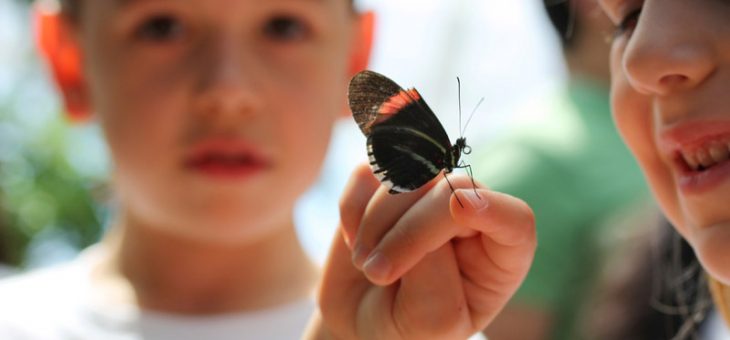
<point>704,166</point>
<point>705,157</point>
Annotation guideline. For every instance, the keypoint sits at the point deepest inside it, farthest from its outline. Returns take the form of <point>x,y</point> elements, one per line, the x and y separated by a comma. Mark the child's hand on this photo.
<point>424,267</point>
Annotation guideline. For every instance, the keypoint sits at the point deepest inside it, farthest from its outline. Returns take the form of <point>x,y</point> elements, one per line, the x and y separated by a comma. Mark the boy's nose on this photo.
<point>227,81</point>
<point>669,51</point>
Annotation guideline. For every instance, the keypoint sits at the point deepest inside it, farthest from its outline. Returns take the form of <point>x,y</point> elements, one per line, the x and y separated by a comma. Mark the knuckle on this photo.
<point>406,237</point>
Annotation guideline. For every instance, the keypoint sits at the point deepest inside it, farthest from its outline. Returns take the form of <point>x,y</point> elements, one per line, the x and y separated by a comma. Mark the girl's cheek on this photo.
<point>631,110</point>
<point>635,121</point>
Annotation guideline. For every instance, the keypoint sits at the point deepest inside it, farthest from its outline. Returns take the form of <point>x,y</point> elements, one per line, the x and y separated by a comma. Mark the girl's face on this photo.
<point>217,113</point>
<point>670,63</point>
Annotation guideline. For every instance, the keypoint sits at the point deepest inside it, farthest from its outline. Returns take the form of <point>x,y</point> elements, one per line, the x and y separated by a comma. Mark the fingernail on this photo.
<point>477,201</point>
<point>360,255</point>
<point>377,267</point>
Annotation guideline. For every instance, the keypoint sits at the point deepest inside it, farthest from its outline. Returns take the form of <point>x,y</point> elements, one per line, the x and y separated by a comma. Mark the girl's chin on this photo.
<point>712,246</point>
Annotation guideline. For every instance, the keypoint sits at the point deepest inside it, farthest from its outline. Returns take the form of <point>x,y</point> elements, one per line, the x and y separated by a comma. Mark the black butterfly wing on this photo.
<point>407,145</point>
<point>403,156</point>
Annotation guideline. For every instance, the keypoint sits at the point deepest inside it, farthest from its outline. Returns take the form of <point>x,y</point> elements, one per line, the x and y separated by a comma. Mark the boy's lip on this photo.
<point>699,152</point>
<point>226,158</point>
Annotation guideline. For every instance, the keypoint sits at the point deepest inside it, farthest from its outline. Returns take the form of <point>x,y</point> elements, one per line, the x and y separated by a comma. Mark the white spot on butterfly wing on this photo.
<point>382,175</point>
<point>394,187</point>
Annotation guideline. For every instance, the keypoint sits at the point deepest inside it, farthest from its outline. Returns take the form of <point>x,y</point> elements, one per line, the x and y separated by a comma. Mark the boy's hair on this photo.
<point>71,8</point>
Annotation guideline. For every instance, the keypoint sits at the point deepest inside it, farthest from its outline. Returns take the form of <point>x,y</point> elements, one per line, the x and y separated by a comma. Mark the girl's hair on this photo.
<point>657,290</point>
<point>561,16</point>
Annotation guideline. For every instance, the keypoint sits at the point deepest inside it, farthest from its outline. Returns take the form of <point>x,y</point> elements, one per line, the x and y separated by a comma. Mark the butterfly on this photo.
<point>407,145</point>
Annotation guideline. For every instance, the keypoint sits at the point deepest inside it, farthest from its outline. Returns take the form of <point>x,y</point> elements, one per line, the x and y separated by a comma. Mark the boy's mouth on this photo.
<point>225,158</point>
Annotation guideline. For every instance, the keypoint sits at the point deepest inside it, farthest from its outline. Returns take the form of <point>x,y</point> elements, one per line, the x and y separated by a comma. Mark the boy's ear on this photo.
<point>363,43</point>
<point>60,49</point>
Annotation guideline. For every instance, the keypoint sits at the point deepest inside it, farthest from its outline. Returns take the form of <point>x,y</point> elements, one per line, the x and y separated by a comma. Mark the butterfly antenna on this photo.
<point>458,86</point>
<point>472,115</point>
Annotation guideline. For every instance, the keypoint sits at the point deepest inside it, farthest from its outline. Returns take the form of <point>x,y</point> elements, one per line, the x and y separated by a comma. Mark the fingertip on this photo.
<point>378,269</point>
<point>364,174</point>
<point>472,200</point>
<point>505,218</point>
<point>468,206</point>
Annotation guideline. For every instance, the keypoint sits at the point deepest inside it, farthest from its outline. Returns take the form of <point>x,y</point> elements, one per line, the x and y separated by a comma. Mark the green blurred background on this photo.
<point>51,172</point>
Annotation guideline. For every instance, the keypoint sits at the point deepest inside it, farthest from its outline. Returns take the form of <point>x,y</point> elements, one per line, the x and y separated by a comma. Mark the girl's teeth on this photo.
<point>692,161</point>
<point>704,158</point>
<point>719,152</point>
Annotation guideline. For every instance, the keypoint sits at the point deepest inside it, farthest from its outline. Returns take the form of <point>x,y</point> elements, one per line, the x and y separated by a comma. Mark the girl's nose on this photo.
<point>669,51</point>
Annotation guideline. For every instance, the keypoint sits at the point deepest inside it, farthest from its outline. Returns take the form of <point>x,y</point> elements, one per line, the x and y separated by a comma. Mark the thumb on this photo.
<point>506,224</point>
<point>505,219</point>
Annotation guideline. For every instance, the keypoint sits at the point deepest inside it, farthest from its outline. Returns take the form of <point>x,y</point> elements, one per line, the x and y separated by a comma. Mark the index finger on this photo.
<point>358,192</point>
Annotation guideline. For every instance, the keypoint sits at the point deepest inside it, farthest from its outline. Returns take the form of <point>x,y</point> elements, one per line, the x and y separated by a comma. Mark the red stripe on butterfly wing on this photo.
<point>397,102</point>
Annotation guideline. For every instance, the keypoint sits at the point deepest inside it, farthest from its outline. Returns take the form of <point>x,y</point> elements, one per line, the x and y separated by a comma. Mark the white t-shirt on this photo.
<point>57,303</point>
<point>6,271</point>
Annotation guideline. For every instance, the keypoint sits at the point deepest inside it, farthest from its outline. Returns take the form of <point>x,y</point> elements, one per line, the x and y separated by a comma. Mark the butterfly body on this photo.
<point>407,145</point>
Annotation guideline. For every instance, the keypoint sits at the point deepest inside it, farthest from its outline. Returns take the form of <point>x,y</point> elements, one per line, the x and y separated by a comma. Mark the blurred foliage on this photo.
<point>41,193</point>
<point>43,197</point>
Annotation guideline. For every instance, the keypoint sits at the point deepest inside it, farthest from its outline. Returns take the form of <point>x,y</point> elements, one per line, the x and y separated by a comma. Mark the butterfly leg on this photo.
<point>452,190</point>
<point>471,176</point>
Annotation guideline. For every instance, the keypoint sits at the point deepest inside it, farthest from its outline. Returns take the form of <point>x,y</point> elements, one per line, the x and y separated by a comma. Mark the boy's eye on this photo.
<point>628,23</point>
<point>285,28</point>
<point>160,28</point>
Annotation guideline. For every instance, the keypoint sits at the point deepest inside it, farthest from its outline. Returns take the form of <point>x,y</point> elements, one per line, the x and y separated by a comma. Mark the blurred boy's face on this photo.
<point>217,113</point>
